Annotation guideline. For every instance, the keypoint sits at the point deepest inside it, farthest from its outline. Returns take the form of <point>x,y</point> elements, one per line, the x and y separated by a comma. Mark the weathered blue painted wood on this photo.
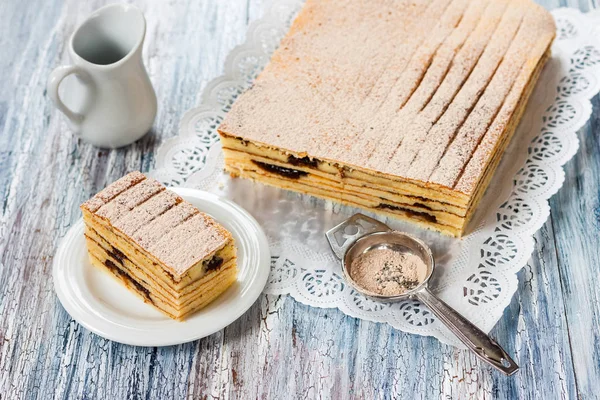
<point>576,222</point>
<point>279,348</point>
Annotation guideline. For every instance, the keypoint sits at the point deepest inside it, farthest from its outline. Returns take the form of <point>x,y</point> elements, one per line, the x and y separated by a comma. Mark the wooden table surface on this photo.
<point>279,348</point>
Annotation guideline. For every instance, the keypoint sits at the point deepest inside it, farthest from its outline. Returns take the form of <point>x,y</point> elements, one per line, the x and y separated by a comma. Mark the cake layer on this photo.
<point>136,274</point>
<point>350,174</point>
<point>145,272</point>
<point>421,219</point>
<point>227,280</point>
<point>126,249</point>
<point>352,194</point>
<point>340,182</point>
<point>401,103</point>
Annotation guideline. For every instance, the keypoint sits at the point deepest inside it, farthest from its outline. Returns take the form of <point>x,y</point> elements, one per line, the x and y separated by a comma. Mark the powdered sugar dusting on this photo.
<point>469,136</point>
<point>388,272</point>
<point>467,181</point>
<point>462,106</point>
<point>150,233</point>
<point>160,222</point>
<point>130,222</point>
<point>445,57</point>
<point>189,243</point>
<point>113,190</point>
<point>126,201</point>
<point>329,95</point>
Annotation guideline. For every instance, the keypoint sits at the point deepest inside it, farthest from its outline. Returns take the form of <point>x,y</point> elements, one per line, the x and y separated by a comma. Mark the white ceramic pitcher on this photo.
<point>111,103</point>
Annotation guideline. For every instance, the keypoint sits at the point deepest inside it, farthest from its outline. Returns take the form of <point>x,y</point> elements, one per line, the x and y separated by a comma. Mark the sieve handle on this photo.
<point>341,237</point>
<point>474,338</point>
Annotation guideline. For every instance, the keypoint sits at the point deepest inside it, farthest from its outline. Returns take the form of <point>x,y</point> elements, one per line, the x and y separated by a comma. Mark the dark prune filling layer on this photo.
<point>303,161</point>
<point>422,215</point>
<point>124,275</point>
<point>212,264</point>
<point>295,174</point>
<point>282,171</point>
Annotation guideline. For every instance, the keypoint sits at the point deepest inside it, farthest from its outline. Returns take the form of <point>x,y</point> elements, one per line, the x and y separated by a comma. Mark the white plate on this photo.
<point>100,303</point>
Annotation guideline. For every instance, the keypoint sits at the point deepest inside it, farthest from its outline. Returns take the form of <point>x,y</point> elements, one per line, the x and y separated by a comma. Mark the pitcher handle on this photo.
<point>56,77</point>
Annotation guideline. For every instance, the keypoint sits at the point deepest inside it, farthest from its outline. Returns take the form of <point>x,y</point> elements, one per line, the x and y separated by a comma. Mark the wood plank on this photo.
<point>576,214</point>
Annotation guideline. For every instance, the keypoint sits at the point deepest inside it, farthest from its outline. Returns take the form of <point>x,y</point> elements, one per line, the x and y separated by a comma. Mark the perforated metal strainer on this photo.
<point>374,235</point>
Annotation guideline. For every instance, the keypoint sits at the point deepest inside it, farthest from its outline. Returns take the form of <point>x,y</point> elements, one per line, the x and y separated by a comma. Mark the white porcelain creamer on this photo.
<point>111,103</point>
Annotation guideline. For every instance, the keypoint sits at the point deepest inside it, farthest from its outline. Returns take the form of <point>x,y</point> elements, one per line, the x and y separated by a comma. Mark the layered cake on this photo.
<point>158,245</point>
<point>399,107</point>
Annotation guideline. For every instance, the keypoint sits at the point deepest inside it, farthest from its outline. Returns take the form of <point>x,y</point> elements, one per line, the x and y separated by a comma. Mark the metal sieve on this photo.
<point>360,234</point>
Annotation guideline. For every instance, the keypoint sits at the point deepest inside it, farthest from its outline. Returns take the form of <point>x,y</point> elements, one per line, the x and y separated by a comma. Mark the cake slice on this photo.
<point>403,108</point>
<point>158,245</point>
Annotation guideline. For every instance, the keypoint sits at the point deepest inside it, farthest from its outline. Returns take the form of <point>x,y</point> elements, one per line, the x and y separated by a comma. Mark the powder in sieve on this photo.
<point>388,272</point>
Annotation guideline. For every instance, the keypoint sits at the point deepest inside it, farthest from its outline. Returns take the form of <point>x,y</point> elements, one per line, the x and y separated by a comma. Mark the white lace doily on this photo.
<point>476,275</point>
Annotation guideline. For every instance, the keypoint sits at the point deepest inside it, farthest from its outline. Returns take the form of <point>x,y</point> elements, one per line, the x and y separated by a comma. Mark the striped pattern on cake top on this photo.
<point>415,89</point>
<point>399,107</point>
<point>175,232</point>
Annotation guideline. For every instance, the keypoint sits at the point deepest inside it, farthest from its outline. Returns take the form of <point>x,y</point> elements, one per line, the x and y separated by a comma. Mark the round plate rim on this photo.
<point>66,295</point>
